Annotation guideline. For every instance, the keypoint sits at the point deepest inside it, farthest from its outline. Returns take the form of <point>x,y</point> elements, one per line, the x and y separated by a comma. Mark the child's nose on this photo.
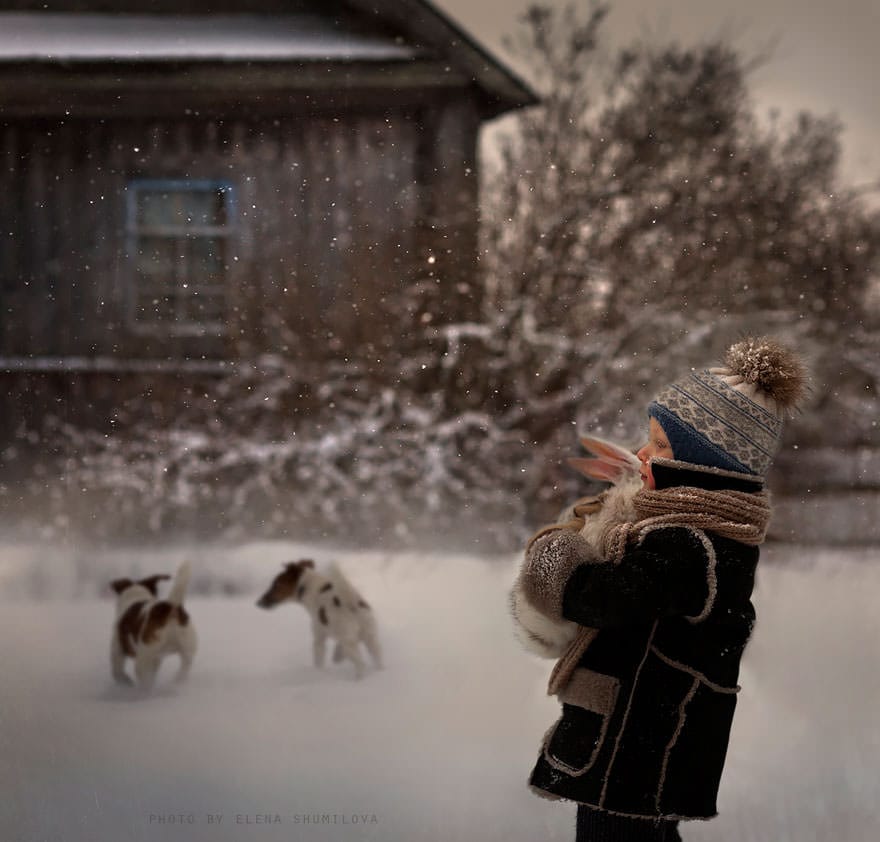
<point>642,454</point>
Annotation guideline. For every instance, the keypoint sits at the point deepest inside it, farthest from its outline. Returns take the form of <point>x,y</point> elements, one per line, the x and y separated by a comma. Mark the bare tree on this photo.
<point>641,207</point>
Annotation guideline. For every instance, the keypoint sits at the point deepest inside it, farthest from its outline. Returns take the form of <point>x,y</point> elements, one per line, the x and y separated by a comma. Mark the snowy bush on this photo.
<point>372,466</point>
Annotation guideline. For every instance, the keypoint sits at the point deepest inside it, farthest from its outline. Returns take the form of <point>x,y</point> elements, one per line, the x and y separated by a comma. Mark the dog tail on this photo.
<point>178,588</point>
<point>346,590</point>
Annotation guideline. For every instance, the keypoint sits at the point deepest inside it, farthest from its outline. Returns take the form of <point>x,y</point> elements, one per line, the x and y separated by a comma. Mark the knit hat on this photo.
<point>731,417</point>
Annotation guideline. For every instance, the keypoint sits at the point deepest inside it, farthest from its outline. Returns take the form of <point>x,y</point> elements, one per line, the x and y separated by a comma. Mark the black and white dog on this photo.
<point>148,628</point>
<point>336,610</point>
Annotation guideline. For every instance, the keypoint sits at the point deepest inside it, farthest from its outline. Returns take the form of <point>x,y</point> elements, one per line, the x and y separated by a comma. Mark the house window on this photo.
<point>179,247</point>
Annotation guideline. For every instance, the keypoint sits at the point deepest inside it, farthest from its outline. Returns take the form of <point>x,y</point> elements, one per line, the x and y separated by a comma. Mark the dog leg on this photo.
<point>371,641</point>
<point>145,668</point>
<point>187,643</point>
<point>186,660</point>
<point>353,653</point>
<point>117,664</point>
<point>319,649</point>
<point>338,653</point>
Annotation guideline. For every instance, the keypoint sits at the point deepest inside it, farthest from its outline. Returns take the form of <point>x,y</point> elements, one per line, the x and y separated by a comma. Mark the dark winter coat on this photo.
<point>647,713</point>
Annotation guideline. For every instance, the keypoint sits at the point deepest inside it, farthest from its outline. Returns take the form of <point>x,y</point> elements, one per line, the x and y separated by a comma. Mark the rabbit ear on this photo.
<point>610,452</point>
<point>597,469</point>
<point>613,463</point>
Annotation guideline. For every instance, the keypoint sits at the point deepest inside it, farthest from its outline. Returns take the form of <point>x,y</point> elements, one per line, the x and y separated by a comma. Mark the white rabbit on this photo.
<point>549,637</point>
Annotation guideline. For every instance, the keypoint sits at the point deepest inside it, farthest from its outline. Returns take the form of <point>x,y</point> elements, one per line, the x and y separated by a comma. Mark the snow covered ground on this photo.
<point>437,746</point>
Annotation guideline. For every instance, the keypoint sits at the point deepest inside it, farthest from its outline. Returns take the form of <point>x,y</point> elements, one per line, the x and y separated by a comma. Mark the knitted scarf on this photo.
<point>737,515</point>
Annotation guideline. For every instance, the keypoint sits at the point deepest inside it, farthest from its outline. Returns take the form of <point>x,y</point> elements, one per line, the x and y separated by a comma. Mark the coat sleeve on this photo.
<point>669,573</point>
<point>550,560</point>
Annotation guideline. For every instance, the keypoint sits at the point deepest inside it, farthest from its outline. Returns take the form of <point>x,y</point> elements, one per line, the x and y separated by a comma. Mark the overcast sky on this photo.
<point>825,59</point>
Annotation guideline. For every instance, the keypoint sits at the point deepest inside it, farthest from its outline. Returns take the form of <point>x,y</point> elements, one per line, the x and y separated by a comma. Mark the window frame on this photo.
<point>136,232</point>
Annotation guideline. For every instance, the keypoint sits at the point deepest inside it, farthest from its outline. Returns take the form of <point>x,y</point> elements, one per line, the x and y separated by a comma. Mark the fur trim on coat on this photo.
<point>536,597</point>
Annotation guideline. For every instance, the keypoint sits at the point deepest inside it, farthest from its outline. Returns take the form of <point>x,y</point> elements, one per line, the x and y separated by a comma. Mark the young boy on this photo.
<point>662,604</point>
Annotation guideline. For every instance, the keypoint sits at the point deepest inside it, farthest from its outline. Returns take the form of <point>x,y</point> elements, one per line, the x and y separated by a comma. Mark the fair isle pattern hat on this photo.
<point>731,417</point>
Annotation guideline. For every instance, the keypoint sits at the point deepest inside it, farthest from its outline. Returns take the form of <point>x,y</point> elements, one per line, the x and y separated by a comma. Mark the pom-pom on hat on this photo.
<point>731,417</point>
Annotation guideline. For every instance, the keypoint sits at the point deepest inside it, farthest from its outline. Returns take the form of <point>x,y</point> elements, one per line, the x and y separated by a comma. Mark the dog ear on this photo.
<point>151,582</point>
<point>299,565</point>
<point>119,585</point>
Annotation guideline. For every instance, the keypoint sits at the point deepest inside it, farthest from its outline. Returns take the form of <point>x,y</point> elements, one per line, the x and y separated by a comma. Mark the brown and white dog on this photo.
<point>336,610</point>
<point>148,628</point>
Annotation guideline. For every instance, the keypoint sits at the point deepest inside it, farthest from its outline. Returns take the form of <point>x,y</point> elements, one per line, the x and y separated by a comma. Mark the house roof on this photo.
<point>72,37</point>
<point>426,24</point>
<point>350,31</point>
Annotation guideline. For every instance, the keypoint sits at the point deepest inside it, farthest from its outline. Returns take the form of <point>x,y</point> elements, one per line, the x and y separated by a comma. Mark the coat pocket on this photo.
<point>588,700</point>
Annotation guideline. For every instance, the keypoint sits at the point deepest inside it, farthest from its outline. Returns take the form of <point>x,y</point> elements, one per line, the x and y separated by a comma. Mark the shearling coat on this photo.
<point>646,714</point>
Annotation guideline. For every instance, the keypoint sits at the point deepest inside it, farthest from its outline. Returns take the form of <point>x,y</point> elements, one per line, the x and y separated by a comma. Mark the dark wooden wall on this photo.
<point>335,213</point>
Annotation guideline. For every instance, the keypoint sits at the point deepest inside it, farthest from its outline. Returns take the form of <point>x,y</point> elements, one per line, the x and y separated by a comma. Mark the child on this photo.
<point>660,601</point>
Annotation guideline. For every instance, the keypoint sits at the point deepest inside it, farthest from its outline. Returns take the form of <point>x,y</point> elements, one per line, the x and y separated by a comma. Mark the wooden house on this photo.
<point>191,184</point>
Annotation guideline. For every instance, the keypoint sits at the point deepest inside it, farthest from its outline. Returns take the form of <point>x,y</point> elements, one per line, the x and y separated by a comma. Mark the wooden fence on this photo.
<point>827,496</point>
